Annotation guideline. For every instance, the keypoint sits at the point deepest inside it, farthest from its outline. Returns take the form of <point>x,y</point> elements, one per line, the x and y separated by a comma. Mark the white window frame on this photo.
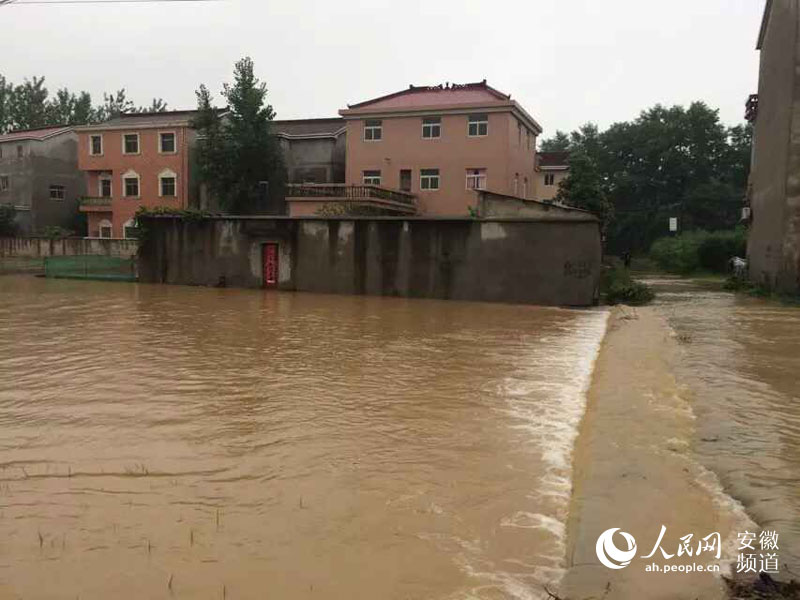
<point>91,144</point>
<point>372,129</point>
<point>477,177</point>
<point>477,120</point>
<point>56,186</point>
<point>131,174</point>
<point>434,126</point>
<point>549,179</point>
<point>5,183</point>
<point>174,142</point>
<point>105,224</point>
<point>130,223</point>
<point>371,179</point>
<point>100,181</point>
<point>430,179</point>
<point>167,174</point>
<point>138,143</point>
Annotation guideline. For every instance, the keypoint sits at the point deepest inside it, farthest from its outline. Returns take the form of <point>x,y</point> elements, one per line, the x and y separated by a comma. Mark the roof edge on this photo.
<point>764,24</point>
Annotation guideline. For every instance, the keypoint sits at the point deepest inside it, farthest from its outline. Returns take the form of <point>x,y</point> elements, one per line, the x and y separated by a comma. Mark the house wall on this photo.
<point>774,240</point>
<point>548,192</point>
<point>53,161</point>
<point>148,164</point>
<point>314,160</point>
<point>530,261</point>
<point>403,147</point>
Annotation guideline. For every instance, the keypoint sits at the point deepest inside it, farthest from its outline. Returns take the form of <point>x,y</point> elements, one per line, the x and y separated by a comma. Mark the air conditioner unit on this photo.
<point>746,213</point>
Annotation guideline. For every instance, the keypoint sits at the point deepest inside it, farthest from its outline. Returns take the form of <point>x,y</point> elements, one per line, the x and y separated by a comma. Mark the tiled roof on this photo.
<point>308,127</point>
<point>440,95</point>
<point>34,134</point>
<point>553,159</point>
<point>168,118</point>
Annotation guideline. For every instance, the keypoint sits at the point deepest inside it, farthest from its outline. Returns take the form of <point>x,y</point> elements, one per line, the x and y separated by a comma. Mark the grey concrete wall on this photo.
<point>548,262</point>
<point>491,204</point>
<point>49,162</point>
<point>41,247</point>
<point>774,241</point>
<point>314,160</point>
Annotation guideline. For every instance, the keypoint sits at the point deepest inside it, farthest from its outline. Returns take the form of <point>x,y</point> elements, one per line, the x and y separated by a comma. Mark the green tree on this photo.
<point>558,143</point>
<point>237,153</point>
<point>6,93</point>
<point>28,105</point>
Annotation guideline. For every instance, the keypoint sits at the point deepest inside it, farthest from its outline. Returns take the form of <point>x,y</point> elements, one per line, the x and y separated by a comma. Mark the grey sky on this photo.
<point>566,61</point>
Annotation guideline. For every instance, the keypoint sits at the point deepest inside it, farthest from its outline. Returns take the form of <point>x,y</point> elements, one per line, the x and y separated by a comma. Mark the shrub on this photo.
<point>618,287</point>
<point>699,251</point>
<point>8,224</point>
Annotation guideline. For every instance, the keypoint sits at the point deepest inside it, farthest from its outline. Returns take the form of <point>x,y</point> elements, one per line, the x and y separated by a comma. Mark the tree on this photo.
<point>28,105</point>
<point>669,162</point>
<point>6,93</point>
<point>558,143</point>
<point>114,104</point>
<point>236,154</point>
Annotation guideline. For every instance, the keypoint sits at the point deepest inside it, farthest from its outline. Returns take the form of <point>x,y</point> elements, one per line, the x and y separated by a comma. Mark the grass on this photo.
<point>617,286</point>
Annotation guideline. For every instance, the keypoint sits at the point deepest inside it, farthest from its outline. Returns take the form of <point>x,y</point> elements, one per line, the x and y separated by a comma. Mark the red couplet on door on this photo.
<point>270,265</point>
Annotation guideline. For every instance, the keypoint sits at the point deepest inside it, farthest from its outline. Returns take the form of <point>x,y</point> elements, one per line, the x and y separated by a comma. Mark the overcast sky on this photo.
<point>566,61</point>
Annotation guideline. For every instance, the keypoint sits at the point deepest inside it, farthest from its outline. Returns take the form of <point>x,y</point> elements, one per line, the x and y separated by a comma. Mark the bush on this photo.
<point>699,251</point>
<point>8,223</point>
<point>617,287</point>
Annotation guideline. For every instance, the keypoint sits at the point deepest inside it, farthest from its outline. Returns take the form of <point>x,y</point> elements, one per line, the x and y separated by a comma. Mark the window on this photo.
<point>478,125</point>
<point>373,130</point>
<point>167,186</point>
<point>4,184</point>
<point>372,177</point>
<point>105,187</point>
<point>129,229</point>
<point>549,179</point>
<point>57,192</point>
<point>166,142</point>
<point>130,184</point>
<point>104,229</point>
<point>431,127</point>
<point>130,143</point>
<point>525,188</point>
<point>20,151</point>
<point>516,184</point>
<point>96,145</point>
<point>429,179</point>
<point>476,179</point>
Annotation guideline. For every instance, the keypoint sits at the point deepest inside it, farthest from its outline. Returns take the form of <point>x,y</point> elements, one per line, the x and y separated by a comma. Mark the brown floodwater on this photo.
<point>176,442</point>
<point>740,360</point>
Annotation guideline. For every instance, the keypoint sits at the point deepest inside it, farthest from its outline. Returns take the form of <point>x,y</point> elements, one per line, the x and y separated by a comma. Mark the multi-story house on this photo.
<point>441,143</point>
<point>133,161</point>
<point>773,248</point>
<point>39,177</point>
<point>551,169</point>
<point>313,149</point>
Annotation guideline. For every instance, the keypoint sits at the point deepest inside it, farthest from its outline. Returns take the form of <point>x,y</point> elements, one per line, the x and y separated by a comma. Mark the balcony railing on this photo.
<point>341,191</point>
<point>94,201</point>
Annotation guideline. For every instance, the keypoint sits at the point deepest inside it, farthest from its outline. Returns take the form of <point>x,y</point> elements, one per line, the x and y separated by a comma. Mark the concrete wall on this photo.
<point>41,247</point>
<point>53,161</point>
<point>531,261</point>
<point>774,241</point>
<point>314,159</point>
<point>500,205</point>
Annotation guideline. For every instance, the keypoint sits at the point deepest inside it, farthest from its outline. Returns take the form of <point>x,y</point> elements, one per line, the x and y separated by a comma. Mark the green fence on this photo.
<point>111,268</point>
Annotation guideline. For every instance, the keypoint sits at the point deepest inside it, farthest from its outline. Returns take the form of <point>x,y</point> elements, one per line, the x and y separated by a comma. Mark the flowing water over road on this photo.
<point>160,442</point>
<point>741,363</point>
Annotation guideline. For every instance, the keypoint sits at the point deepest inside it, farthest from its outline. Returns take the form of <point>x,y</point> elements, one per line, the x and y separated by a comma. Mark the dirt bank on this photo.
<point>633,470</point>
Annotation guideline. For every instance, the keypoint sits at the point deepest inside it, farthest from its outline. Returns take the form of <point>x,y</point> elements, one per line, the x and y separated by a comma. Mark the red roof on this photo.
<point>553,159</point>
<point>34,134</point>
<point>439,95</point>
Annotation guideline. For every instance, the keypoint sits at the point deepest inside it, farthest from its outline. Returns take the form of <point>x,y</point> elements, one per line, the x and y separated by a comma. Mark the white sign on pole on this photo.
<point>673,224</point>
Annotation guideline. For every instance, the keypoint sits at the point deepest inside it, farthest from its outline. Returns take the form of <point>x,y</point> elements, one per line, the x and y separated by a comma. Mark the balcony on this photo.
<point>333,199</point>
<point>94,204</point>
<point>751,108</point>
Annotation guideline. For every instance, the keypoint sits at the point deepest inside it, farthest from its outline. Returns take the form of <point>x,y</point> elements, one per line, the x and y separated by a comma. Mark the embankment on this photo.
<point>633,470</point>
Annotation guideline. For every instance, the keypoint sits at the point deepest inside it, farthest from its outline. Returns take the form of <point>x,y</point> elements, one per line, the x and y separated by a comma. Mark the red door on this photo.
<point>270,265</point>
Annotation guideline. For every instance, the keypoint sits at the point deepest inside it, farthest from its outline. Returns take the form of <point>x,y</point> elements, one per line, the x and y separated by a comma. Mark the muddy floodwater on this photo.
<point>160,442</point>
<point>740,360</point>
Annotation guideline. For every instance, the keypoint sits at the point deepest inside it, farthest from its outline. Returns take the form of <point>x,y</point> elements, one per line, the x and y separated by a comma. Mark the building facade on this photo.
<point>774,194</point>
<point>551,169</point>
<point>441,144</point>
<point>133,161</point>
<point>313,149</point>
<point>39,177</point>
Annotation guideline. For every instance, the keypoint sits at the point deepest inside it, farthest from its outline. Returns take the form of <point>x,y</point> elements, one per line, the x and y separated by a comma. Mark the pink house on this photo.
<point>132,161</point>
<point>441,143</point>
